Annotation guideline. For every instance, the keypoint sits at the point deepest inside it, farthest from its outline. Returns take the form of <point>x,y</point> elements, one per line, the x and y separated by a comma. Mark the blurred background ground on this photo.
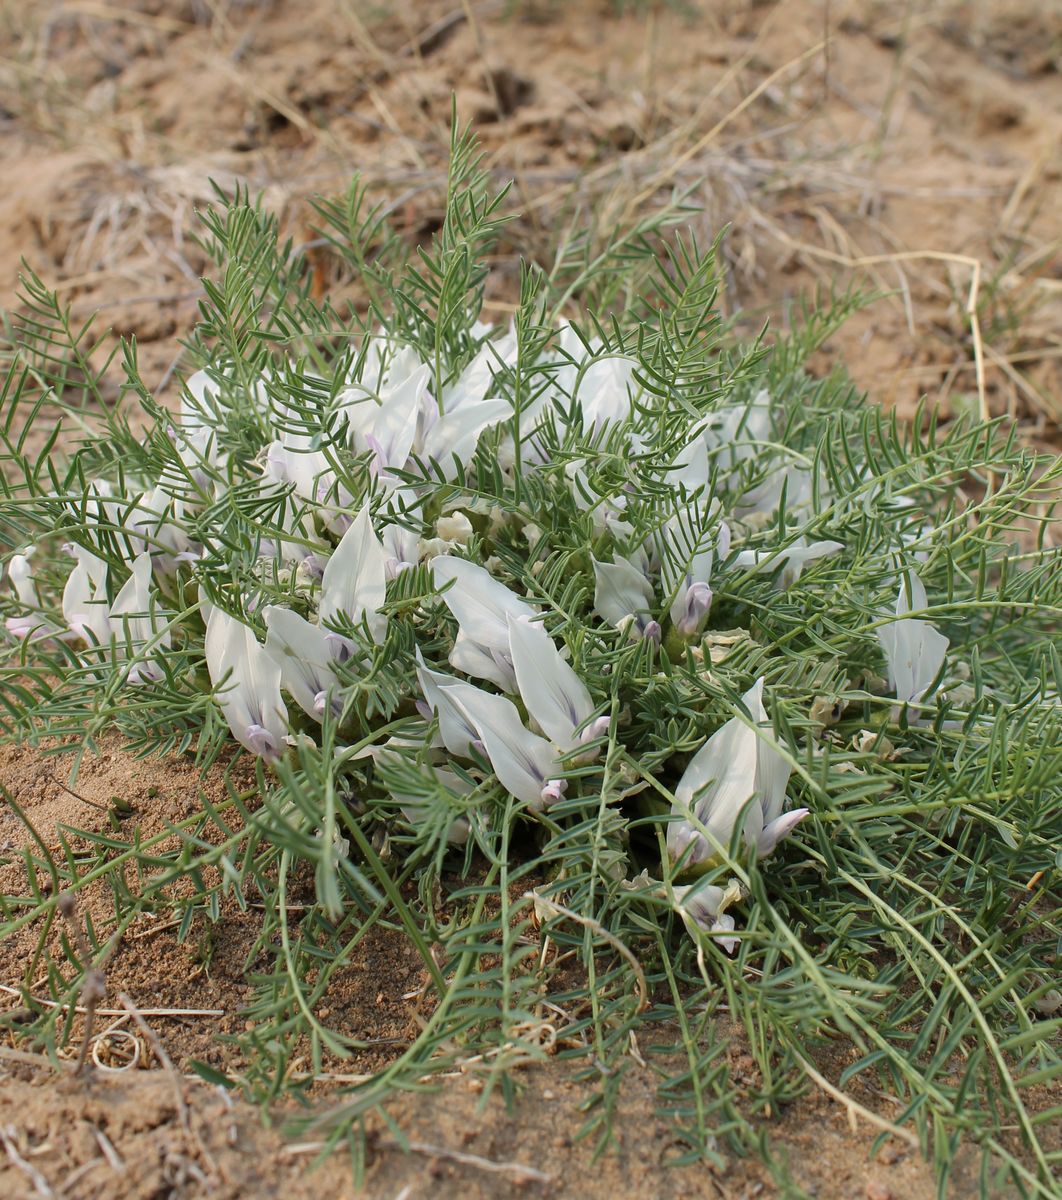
<point>914,148</point>
<point>823,134</point>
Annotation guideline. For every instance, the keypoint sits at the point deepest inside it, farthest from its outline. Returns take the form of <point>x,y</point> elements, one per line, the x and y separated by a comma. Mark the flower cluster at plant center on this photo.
<point>509,555</point>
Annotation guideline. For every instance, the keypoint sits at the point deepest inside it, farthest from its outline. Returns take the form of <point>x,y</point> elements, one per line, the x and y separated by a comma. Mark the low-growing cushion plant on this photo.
<point>604,626</point>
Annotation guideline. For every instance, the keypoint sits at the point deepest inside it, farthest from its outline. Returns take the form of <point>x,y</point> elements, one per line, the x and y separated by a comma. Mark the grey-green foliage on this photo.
<point>915,912</point>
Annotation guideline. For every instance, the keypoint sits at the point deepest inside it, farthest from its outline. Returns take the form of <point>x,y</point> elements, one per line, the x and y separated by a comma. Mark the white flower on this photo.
<point>455,529</point>
<point>525,764</point>
<point>20,572</point>
<point>392,412</point>
<point>555,697</point>
<point>248,683</point>
<point>85,607</point>
<point>624,597</point>
<point>738,770</point>
<point>306,655</point>
<point>792,559</point>
<point>601,383</point>
<point>134,616</point>
<point>194,434</point>
<point>354,584</point>
<point>914,649</point>
<point>686,556</point>
<point>705,905</point>
<point>605,512</point>
<point>451,438</point>
<point>311,477</point>
<point>441,691</point>
<point>414,807</point>
<point>384,406</point>
<point>482,607</point>
<point>400,546</point>
<point>156,517</point>
<point>294,549</point>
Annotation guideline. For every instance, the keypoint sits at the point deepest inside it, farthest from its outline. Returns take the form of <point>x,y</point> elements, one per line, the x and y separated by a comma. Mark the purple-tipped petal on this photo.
<point>553,791</point>
<point>261,741</point>
<point>778,829</point>
<point>597,728</point>
<point>695,612</point>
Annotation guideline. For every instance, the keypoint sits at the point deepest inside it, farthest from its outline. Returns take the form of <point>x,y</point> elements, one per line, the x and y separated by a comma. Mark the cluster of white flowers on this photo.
<point>536,718</point>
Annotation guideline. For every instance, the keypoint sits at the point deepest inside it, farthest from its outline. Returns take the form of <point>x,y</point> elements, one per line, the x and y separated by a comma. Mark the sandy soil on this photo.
<point>925,139</point>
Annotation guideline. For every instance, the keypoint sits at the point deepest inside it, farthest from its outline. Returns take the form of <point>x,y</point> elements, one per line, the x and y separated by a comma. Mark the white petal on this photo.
<point>249,682</point>
<point>551,691</point>
<point>355,578</point>
<point>20,572</point>
<point>914,649</point>
<point>481,663</point>
<point>604,391</point>
<point>455,728</point>
<point>386,422</point>
<point>772,767</point>
<point>621,591</point>
<point>132,615</point>
<point>791,560</point>
<point>456,434</point>
<point>478,601</point>
<point>778,829</point>
<point>85,607</point>
<point>304,653</point>
<point>720,929</point>
<point>524,763</point>
<point>716,786</point>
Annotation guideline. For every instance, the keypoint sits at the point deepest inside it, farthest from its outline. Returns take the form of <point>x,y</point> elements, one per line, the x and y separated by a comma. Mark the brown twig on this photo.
<point>195,1141</point>
<point>520,1171</point>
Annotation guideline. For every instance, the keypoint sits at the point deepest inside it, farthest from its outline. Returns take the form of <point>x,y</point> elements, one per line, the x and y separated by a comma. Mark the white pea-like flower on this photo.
<point>135,618</point>
<point>739,774</point>
<point>247,680</point>
<point>306,655</point>
<point>86,609</point>
<point>623,597</point>
<point>792,560</point>
<point>914,649</point>
<point>482,607</point>
<point>553,694</point>
<point>30,623</point>
<point>526,765</point>
<point>354,584</point>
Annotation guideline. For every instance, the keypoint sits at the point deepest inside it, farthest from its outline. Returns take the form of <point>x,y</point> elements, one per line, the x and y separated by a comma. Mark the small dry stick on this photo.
<point>520,1171</point>
<point>119,1012</point>
<point>107,1147</point>
<point>77,796</point>
<point>854,1108</point>
<point>40,1184</point>
<point>178,1093</point>
<point>159,1051</point>
<point>602,932</point>
<point>94,984</point>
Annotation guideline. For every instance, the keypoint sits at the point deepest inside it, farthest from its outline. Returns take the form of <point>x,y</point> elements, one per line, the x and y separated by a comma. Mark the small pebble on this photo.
<point>878,1191</point>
